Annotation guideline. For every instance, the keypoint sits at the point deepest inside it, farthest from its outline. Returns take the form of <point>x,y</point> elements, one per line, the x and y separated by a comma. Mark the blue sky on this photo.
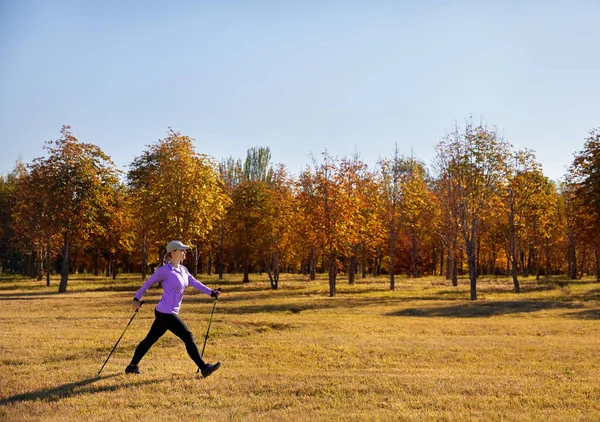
<point>300,77</point>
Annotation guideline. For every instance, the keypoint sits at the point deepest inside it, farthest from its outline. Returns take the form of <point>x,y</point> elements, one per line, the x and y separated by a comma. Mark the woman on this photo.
<point>174,278</point>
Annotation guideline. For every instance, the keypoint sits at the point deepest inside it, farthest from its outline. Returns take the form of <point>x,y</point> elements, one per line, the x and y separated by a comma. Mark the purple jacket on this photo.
<point>174,282</point>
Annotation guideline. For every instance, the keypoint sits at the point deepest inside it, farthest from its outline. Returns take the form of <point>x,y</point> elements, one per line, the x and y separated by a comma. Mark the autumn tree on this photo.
<point>547,223</point>
<point>231,174</point>
<point>280,217</point>
<point>394,174</point>
<point>470,163</point>
<point>34,224</point>
<point>250,207</point>
<point>449,232</point>
<point>371,226</point>
<point>356,183</point>
<point>584,184</point>
<point>72,181</point>
<point>417,208</point>
<point>10,256</point>
<point>306,221</point>
<point>177,193</point>
<point>523,184</point>
<point>115,236</point>
<point>333,213</point>
<point>6,191</point>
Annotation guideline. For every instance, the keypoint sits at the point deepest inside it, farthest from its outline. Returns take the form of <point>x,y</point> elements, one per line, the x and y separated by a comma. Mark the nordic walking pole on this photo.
<point>126,327</point>
<point>209,322</point>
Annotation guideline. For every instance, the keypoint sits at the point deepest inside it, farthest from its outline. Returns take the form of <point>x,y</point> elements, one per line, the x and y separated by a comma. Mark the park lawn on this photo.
<point>422,352</point>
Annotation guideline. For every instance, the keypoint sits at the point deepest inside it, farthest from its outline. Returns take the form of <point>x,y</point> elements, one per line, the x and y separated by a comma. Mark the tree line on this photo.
<point>482,208</point>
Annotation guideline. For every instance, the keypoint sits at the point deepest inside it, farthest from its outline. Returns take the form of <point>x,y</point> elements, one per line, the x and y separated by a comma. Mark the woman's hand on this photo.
<point>136,305</point>
<point>216,293</point>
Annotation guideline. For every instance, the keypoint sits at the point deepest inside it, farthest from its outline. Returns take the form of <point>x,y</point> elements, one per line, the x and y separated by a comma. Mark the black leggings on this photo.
<point>174,324</point>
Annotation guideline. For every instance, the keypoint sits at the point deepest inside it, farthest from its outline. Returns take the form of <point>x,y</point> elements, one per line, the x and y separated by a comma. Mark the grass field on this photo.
<point>422,352</point>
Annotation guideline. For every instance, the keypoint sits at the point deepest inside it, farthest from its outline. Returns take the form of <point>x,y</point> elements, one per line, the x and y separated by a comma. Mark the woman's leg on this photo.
<point>178,327</point>
<point>159,327</point>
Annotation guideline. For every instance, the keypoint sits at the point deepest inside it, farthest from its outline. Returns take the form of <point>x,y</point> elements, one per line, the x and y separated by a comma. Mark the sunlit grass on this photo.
<point>422,352</point>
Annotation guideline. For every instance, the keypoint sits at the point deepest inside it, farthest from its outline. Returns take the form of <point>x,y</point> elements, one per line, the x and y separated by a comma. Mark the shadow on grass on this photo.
<point>591,314</point>
<point>592,295</point>
<point>484,309</point>
<point>73,389</point>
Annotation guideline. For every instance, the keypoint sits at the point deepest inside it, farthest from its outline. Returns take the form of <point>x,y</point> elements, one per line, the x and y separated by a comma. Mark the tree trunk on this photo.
<point>64,274</point>
<point>194,263</point>
<point>493,259</point>
<point>332,274</point>
<point>199,263</point>
<point>392,251</point>
<point>364,260</point>
<point>454,272</point>
<point>451,265</point>
<point>246,278</point>
<point>376,262</point>
<point>572,271</point>
<point>38,262</point>
<point>536,258</point>
<point>210,262</point>
<point>107,267</point>
<point>144,256</point>
<point>352,264</point>
<point>31,264</point>
<point>597,256</point>
<point>442,261</point>
<point>267,261</point>
<point>415,269</point>
<point>548,266</point>
<point>96,261</point>
<point>115,270</point>
<point>513,256</point>
<point>513,272</point>
<point>48,271</point>
<point>477,261</point>
<point>313,263</point>
<point>221,258</point>
<point>275,269</point>
<point>583,259</point>
<point>472,264</point>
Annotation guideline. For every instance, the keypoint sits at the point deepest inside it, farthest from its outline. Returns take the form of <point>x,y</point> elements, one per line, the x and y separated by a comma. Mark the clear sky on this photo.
<point>299,77</point>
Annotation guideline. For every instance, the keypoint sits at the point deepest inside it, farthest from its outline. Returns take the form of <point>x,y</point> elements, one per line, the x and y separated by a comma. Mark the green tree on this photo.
<point>251,208</point>
<point>231,173</point>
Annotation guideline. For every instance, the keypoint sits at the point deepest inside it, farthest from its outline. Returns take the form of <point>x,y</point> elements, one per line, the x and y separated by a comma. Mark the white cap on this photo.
<point>175,245</point>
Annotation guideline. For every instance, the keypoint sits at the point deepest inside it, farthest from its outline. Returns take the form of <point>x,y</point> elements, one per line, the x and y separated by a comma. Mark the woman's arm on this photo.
<point>199,286</point>
<point>159,275</point>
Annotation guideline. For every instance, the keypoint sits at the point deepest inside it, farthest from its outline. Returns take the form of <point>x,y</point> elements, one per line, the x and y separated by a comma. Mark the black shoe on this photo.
<point>132,369</point>
<point>210,368</point>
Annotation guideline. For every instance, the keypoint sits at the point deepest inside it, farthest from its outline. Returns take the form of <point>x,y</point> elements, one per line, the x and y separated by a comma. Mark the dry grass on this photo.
<point>423,352</point>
